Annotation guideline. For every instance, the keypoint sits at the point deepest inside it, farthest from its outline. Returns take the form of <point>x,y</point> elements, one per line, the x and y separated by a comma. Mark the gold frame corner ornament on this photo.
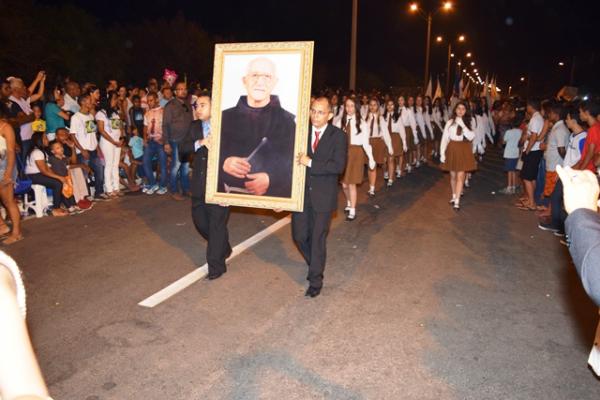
<point>296,201</point>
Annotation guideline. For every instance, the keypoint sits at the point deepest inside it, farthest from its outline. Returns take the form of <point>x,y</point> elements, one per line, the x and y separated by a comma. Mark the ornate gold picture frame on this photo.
<point>261,139</point>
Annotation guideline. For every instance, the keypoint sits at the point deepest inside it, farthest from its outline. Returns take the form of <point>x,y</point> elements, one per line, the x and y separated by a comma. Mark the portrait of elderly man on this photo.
<point>257,138</point>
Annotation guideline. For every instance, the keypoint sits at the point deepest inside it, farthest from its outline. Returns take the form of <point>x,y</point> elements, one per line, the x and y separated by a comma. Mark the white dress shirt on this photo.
<point>380,130</point>
<point>397,127</point>
<point>321,131</point>
<point>408,119</point>
<point>356,138</point>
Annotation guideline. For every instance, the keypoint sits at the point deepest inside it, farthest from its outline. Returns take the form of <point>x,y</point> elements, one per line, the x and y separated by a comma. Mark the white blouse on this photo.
<point>437,118</point>
<point>427,118</point>
<point>397,127</point>
<point>408,119</point>
<point>420,120</point>
<point>450,134</point>
<point>379,130</point>
<point>356,138</point>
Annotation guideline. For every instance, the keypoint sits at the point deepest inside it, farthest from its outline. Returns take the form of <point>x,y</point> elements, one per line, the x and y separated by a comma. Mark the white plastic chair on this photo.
<point>39,204</point>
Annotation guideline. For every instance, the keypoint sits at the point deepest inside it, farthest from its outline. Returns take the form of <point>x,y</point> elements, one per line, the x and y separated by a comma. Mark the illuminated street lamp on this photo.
<point>447,6</point>
<point>522,79</point>
<point>469,55</point>
<point>561,64</point>
<point>472,63</point>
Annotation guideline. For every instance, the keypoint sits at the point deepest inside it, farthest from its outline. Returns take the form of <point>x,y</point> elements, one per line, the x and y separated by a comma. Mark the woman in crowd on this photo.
<point>427,116</point>
<point>419,111</point>
<point>110,128</point>
<point>398,135</point>
<point>56,117</point>
<point>437,125</point>
<point>7,174</point>
<point>457,151</point>
<point>407,118</point>
<point>38,171</point>
<point>358,147</point>
<point>379,139</point>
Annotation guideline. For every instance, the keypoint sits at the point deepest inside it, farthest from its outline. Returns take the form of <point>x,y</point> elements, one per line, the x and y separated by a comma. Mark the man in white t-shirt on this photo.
<point>83,130</point>
<point>73,90</point>
<point>532,155</point>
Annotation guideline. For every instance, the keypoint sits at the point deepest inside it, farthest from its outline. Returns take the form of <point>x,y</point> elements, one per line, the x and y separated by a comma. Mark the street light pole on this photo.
<point>428,47</point>
<point>448,68</point>
<point>352,84</point>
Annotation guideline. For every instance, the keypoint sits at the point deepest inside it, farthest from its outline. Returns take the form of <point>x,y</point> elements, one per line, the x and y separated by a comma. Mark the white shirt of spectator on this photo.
<point>112,126</point>
<point>84,128</point>
<point>25,104</point>
<point>536,124</point>
<point>574,149</point>
<point>558,137</point>
<point>70,104</point>
<point>31,166</point>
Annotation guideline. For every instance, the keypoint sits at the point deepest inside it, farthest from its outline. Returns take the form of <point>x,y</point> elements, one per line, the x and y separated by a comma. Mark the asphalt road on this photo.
<point>419,302</point>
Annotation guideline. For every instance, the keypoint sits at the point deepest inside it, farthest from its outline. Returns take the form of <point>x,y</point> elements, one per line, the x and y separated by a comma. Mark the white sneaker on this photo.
<point>390,183</point>
<point>162,190</point>
<point>386,176</point>
<point>152,189</point>
<point>398,174</point>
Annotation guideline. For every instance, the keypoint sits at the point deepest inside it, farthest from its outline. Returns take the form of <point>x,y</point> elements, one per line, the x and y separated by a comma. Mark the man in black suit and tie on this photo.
<point>210,219</point>
<point>325,161</point>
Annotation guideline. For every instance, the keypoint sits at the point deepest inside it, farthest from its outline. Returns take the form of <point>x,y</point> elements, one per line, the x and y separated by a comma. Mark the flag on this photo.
<point>484,92</point>
<point>429,90</point>
<point>493,91</point>
<point>438,91</point>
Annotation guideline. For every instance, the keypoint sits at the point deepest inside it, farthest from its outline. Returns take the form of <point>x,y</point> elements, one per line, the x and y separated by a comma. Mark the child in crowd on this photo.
<point>38,124</point>
<point>136,115</point>
<point>59,164</point>
<point>511,141</point>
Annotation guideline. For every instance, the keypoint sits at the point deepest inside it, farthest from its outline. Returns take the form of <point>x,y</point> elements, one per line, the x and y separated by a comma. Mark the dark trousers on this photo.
<point>558,214</point>
<point>210,221</point>
<point>96,165</point>
<point>309,230</point>
<point>56,186</point>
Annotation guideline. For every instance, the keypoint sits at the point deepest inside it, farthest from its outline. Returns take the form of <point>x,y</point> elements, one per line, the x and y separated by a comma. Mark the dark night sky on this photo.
<point>509,38</point>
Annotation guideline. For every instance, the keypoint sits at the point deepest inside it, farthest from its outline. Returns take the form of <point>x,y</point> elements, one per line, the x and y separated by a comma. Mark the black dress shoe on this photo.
<point>216,275</point>
<point>312,292</point>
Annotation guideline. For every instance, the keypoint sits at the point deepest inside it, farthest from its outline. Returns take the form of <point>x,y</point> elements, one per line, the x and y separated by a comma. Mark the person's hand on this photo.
<point>372,164</point>
<point>303,159</point>
<point>206,142</point>
<point>85,154</point>
<point>580,187</point>
<point>63,179</point>
<point>145,142</point>
<point>258,183</point>
<point>237,167</point>
<point>168,148</point>
<point>40,75</point>
<point>278,210</point>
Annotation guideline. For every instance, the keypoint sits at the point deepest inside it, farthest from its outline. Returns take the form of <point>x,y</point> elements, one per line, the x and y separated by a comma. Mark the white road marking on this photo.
<point>202,271</point>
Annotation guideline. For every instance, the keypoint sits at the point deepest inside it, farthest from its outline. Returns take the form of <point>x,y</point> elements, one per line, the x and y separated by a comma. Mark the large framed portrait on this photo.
<point>259,123</point>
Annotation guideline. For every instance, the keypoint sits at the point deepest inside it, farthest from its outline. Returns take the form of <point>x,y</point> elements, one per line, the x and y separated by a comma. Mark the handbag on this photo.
<point>22,182</point>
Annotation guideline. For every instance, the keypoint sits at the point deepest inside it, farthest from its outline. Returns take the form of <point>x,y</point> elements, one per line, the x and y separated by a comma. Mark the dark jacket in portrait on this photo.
<point>328,163</point>
<point>242,131</point>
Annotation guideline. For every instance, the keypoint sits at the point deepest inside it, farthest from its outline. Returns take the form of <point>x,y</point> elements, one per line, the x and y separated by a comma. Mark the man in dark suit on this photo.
<point>209,219</point>
<point>325,161</point>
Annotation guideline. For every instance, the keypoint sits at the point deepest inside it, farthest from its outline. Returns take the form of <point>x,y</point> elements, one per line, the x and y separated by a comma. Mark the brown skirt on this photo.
<point>397,144</point>
<point>380,151</point>
<point>410,139</point>
<point>355,167</point>
<point>459,157</point>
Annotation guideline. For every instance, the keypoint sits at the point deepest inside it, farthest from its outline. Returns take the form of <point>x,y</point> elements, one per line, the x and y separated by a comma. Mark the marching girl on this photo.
<point>457,151</point>
<point>427,115</point>
<point>421,129</point>
<point>446,110</point>
<point>379,139</point>
<point>336,109</point>
<point>490,129</point>
<point>437,124</point>
<point>364,106</point>
<point>398,135</point>
<point>356,129</point>
<point>407,116</point>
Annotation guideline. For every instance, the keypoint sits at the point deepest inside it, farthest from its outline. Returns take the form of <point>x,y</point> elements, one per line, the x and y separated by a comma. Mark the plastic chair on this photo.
<point>40,202</point>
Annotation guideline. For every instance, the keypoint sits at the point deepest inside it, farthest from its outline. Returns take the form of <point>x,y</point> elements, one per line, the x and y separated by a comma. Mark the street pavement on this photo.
<point>420,302</point>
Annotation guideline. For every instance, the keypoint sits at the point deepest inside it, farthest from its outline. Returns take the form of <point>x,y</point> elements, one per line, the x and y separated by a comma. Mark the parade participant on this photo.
<point>398,135</point>
<point>325,161</point>
<point>407,116</point>
<point>437,124</point>
<point>210,220</point>
<point>456,150</point>
<point>380,140</point>
<point>357,136</point>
